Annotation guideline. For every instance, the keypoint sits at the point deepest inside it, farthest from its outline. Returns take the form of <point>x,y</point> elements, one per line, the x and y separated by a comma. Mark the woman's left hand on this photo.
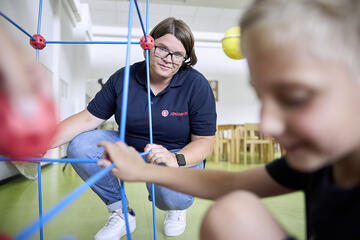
<point>158,154</point>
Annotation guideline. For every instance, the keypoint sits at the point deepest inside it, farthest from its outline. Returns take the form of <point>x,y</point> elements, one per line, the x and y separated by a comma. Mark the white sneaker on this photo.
<point>175,222</point>
<point>115,227</point>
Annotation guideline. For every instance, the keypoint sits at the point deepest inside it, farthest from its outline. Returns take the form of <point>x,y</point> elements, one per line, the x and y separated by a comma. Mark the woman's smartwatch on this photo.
<point>180,158</point>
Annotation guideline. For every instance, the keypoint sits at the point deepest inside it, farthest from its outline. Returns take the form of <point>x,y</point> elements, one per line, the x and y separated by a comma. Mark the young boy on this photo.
<point>304,58</point>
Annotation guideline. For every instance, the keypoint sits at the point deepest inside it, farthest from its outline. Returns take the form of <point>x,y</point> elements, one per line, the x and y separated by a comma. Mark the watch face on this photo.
<point>180,159</point>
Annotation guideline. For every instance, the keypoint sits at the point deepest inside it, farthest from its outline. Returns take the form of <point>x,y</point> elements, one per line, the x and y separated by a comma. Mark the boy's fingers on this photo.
<point>104,163</point>
<point>109,146</point>
<point>132,149</point>
<point>105,144</point>
<point>157,150</point>
<point>109,149</point>
<point>147,148</point>
<point>155,146</point>
<point>121,144</point>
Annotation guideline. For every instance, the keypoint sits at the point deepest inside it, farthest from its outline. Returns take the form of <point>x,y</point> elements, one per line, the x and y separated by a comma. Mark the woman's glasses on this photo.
<point>162,52</point>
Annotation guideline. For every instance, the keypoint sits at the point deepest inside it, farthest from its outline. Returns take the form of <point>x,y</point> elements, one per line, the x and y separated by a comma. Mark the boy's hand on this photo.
<point>160,155</point>
<point>129,165</point>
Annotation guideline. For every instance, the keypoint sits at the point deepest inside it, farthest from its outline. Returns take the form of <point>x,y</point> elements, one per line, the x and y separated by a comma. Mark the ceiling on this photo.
<point>201,15</point>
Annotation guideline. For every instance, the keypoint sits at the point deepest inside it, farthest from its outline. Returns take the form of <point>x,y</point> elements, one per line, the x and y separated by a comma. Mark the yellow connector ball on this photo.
<point>231,43</point>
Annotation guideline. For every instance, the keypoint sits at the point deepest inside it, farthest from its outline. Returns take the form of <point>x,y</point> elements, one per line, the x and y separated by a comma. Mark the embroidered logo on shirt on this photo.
<point>178,114</point>
<point>165,113</point>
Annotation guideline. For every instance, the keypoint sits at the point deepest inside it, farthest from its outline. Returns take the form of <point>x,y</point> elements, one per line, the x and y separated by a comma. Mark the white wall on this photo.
<point>81,65</point>
<point>61,61</point>
<point>237,102</point>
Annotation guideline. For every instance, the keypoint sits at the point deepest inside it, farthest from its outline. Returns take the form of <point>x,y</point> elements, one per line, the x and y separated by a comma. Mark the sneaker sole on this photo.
<point>174,234</point>
<point>132,226</point>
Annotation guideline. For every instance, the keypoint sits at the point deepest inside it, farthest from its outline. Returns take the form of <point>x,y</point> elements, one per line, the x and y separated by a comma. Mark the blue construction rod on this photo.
<point>150,113</point>
<point>39,17</point>
<point>124,111</point>
<point>141,22</point>
<point>40,200</point>
<point>149,96</point>
<point>88,42</point>
<point>39,167</point>
<point>151,138</point>
<point>126,76</point>
<point>150,121</point>
<point>147,17</point>
<point>31,229</point>
<point>13,23</point>
<point>61,160</point>
<point>37,54</point>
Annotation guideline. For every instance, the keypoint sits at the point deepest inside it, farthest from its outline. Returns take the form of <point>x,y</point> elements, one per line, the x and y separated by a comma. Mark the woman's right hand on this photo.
<point>130,166</point>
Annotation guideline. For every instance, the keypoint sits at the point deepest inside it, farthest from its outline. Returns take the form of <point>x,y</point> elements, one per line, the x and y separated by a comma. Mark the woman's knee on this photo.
<point>167,199</point>
<point>84,145</point>
<point>181,203</point>
<point>78,146</point>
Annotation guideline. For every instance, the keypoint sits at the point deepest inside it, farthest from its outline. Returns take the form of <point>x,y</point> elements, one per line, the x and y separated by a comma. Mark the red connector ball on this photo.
<point>27,134</point>
<point>5,237</point>
<point>147,45</point>
<point>39,42</point>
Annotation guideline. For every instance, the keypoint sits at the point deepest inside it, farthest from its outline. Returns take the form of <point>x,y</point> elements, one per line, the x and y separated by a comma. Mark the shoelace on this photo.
<point>175,215</point>
<point>114,219</point>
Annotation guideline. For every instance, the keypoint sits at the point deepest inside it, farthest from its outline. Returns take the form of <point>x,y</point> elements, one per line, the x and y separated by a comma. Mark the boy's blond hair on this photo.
<point>328,28</point>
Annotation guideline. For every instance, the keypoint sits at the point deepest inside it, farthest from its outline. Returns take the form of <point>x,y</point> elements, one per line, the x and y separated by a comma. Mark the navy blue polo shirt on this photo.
<point>185,107</point>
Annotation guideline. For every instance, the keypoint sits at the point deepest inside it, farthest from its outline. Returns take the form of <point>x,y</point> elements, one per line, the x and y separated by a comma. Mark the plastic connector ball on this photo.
<point>148,43</point>
<point>5,237</point>
<point>39,42</point>
<point>27,134</point>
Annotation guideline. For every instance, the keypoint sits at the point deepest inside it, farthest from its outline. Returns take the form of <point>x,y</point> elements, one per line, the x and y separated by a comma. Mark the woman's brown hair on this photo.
<point>182,32</point>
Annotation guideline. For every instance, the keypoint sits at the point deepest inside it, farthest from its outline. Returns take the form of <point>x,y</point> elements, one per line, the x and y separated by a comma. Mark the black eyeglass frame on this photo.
<point>169,53</point>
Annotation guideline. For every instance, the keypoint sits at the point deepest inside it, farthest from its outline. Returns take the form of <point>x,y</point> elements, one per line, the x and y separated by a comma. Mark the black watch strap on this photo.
<point>180,158</point>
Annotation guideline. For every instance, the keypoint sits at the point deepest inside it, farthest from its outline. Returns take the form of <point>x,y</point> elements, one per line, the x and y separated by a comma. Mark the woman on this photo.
<point>303,57</point>
<point>184,117</point>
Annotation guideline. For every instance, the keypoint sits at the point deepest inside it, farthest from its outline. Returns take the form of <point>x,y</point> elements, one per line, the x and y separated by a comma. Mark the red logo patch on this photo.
<point>165,113</point>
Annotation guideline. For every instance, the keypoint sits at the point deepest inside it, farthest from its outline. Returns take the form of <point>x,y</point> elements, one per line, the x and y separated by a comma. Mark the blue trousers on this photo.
<point>108,188</point>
